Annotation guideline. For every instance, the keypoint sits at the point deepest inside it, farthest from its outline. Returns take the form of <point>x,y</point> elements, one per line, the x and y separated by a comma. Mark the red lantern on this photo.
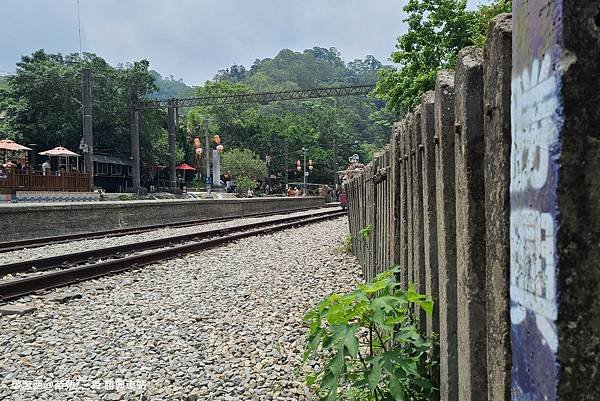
<point>217,139</point>
<point>197,143</point>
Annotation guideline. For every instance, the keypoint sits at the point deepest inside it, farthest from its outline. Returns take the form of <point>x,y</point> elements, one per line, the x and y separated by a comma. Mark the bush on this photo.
<point>366,344</point>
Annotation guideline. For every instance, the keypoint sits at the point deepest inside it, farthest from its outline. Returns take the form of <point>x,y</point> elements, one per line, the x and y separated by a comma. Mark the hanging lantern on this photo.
<point>219,148</point>
<point>198,151</point>
<point>299,168</point>
<point>197,143</point>
<point>217,139</point>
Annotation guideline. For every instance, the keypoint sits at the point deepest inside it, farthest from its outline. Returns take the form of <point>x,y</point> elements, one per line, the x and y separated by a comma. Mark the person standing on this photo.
<point>46,167</point>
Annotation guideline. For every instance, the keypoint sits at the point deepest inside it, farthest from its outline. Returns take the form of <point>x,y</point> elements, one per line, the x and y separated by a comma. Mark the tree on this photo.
<point>42,102</point>
<point>245,166</point>
<point>437,30</point>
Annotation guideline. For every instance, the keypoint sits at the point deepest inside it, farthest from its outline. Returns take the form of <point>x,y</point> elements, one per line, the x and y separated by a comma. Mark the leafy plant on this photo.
<point>365,232</point>
<point>348,244</point>
<point>365,345</point>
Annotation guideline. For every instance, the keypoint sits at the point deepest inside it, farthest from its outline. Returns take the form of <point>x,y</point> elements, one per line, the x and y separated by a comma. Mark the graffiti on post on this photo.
<point>535,149</point>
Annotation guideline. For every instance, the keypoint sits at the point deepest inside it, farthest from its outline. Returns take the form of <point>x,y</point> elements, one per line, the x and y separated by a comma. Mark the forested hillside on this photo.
<point>357,123</point>
<point>42,106</point>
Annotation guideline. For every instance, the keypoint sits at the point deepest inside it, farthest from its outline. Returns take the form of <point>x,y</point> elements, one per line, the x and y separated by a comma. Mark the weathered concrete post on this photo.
<point>496,99</point>
<point>430,252</point>
<point>408,123</point>
<point>446,232</point>
<point>470,225</point>
<point>403,201</point>
<point>430,256</point>
<point>417,189</point>
<point>555,201</point>
<point>396,186</point>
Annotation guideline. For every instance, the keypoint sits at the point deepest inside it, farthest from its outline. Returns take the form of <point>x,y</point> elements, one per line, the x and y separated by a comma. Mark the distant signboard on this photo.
<point>209,180</point>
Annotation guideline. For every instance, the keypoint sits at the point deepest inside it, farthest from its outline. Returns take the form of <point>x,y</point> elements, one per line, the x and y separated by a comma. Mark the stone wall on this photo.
<point>23,221</point>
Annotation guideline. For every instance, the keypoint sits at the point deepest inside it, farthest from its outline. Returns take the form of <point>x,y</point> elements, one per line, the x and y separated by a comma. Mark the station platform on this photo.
<point>35,220</point>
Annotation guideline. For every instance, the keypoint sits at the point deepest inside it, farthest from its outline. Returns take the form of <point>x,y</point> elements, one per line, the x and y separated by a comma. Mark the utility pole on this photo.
<point>172,145</point>
<point>207,152</point>
<point>305,173</point>
<point>134,117</point>
<point>88,136</point>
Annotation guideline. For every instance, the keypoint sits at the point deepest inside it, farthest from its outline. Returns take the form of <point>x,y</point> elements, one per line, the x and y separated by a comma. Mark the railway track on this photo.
<point>72,268</point>
<point>10,246</point>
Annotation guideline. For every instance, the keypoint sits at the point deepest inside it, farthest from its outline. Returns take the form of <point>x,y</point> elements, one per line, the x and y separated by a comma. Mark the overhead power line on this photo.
<point>258,97</point>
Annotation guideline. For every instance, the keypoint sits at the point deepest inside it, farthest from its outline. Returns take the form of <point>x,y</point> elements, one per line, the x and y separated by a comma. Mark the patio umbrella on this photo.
<point>59,151</point>
<point>7,144</point>
<point>184,166</point>
<point>11,146</point>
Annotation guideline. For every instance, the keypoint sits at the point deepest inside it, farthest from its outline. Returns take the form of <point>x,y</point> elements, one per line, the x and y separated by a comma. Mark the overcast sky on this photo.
<point>192,39</point>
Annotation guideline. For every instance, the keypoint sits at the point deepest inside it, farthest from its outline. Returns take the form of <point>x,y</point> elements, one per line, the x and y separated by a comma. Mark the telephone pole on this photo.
<point>88,136</point>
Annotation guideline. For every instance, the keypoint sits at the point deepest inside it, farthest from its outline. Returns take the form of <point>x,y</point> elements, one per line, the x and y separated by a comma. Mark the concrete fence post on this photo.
<point>409,199</point>
<point>430,257</point>
<point>446,232</point>
<point>470,225</point>
<point>555,201</point>
<point>496,100</point>
<point>417,210</point>
<point>396,167</point>
<point>430,252</point>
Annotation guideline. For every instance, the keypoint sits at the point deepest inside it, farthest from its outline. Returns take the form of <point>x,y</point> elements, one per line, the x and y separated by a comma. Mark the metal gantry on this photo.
<point>257,97</point>
<point>242,98</point>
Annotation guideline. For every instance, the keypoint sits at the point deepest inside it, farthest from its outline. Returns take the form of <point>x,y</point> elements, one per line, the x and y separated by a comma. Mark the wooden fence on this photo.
<point>29,180</point>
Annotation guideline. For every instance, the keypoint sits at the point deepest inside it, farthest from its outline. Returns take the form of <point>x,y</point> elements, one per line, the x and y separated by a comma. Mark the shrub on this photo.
<point>367,346</point>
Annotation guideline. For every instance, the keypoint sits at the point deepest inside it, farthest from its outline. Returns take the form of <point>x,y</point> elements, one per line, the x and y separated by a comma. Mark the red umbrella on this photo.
<point>184,166</point>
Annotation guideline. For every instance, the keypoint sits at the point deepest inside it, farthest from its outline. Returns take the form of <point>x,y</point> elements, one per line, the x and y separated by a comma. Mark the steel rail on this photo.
<point>29,285</point>
<point>18,245</point>
<point>60,261</point>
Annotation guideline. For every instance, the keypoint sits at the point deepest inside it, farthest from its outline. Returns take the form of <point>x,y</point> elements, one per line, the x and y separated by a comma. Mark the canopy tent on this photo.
<point>184,166</point>
<point>61,152</point>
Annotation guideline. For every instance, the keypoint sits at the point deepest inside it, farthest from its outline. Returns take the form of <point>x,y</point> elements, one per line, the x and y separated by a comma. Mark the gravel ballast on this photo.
<point>222,324</point>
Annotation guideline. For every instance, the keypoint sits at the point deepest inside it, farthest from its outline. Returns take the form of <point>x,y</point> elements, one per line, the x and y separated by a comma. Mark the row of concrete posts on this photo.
<point>488,197</point>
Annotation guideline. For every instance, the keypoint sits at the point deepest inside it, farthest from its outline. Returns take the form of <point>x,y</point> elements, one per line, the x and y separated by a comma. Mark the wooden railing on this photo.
<point>29,180</point>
